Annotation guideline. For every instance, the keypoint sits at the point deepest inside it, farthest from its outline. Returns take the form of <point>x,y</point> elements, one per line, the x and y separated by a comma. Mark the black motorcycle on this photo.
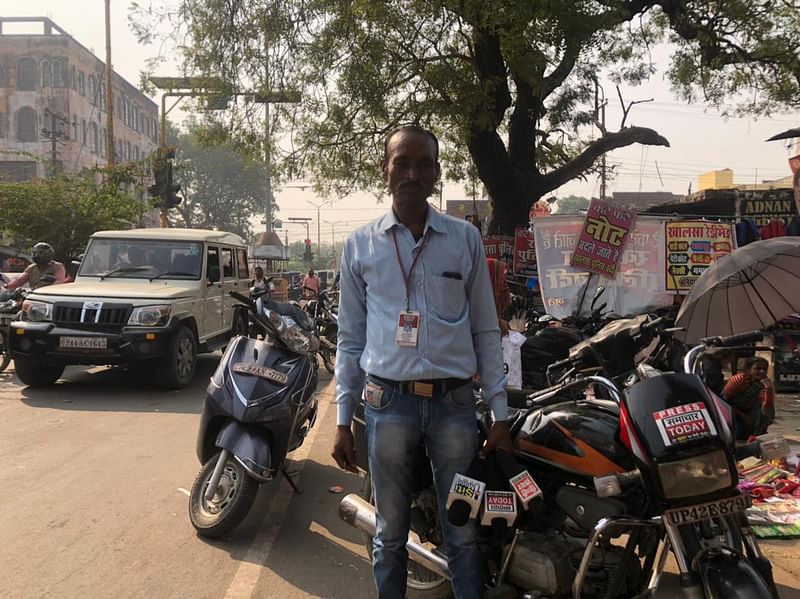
<point>10,305</point>
<point>633,464</point>
<point>324,312</point>
<point>259,406</point>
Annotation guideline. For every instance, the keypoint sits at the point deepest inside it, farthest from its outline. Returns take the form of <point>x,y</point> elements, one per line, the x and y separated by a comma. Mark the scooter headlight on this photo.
<point>694,476</point>
<point>299,340</point>
<point>276,319</point>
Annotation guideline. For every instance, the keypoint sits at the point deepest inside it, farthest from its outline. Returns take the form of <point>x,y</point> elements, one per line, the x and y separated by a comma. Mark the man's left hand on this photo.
<point>499,438</point>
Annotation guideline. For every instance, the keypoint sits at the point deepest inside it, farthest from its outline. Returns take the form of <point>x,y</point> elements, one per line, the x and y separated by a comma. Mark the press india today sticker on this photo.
<point>684,423</point>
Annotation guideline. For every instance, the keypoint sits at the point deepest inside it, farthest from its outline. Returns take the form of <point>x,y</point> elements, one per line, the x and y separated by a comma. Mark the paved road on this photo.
<point>94,482</point>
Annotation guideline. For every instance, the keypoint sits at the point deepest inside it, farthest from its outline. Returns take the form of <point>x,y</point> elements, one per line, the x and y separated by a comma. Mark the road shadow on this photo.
<point>117,389</point>
<point>327,558</point>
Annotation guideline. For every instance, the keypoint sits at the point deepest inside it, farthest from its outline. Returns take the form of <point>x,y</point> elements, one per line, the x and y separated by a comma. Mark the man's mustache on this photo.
<point>411,186</point>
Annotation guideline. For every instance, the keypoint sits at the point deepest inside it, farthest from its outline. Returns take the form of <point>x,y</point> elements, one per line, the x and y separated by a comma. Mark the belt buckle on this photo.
<point>422,389</point>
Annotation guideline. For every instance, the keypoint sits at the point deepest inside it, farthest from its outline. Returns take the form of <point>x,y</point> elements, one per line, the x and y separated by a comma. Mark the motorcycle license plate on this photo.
<point>261,371</point>
<point>704,511</point>
<point>82,342</point>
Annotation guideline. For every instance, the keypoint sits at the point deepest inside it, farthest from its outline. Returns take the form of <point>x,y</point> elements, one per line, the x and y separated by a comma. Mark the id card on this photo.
<point>408,328</point>
<point>373,394</point>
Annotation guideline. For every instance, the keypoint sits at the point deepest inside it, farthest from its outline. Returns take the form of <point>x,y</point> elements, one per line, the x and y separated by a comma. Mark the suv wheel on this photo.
<point>34,374</point>
<point>179,363</point>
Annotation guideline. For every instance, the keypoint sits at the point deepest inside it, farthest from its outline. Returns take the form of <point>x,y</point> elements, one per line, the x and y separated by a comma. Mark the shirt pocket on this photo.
<point>448,297</point>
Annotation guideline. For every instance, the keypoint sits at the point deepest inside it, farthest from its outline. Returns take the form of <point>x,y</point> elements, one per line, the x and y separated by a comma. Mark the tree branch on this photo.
<point>593,151</point>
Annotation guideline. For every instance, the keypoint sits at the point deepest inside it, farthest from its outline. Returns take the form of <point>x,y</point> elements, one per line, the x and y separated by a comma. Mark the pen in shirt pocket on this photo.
<point>452,275</point>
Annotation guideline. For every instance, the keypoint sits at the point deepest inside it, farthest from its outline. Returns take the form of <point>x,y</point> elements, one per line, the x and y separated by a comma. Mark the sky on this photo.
<point>700,139</point>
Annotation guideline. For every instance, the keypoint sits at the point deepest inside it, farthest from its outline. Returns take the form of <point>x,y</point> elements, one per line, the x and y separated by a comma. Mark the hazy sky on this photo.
<point>700,140</point>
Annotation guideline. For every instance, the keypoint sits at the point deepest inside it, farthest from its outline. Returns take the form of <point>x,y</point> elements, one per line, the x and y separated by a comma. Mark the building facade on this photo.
<point>53,101</point>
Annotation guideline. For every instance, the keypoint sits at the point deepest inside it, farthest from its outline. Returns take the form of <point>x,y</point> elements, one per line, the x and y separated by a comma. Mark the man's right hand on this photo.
<point>344,449</point>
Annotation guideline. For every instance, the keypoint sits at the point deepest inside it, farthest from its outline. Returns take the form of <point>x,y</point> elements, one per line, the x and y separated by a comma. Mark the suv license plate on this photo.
<point>261,371</point>
<point>704,511</point>
<point>83,342</point>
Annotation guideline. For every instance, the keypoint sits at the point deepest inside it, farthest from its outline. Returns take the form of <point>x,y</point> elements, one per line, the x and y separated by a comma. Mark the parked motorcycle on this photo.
<point>259,406</point>
<point>326,321</point>
<point>10,306</point>
<point>627,477</point>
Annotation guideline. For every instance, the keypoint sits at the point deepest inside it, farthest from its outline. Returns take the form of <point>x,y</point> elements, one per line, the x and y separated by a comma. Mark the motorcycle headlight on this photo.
<point>149,316</point>
<point>299,340</point>
<point>37,311</point>
<point>699,475</point>
<point>276,319</point>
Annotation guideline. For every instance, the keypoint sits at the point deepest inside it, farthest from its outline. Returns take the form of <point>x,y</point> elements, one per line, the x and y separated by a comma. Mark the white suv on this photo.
<point>147,297</point>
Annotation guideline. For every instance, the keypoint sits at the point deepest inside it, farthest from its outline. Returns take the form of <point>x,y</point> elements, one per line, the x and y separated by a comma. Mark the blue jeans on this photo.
<point>395,429</point>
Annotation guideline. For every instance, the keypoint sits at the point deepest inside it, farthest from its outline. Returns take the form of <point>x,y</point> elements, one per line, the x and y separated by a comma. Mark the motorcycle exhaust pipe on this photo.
<point>361,515</point>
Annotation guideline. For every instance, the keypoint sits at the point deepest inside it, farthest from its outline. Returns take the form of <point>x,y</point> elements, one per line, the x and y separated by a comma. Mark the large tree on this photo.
<point>222,188</point>
<point>64,211</point>
<point>508,85</point>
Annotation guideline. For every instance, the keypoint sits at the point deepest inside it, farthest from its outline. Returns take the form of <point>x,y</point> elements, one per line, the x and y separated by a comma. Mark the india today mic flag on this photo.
<point>499,505</point>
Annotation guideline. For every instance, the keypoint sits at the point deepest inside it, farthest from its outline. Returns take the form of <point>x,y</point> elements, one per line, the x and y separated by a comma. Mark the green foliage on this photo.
<point>221,188</point>
<point>572,204</point>
<point>508,85</point>
<point>64,211</point>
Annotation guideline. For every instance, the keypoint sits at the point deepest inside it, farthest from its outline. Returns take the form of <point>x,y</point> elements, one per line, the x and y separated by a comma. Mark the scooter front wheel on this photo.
<point>230,504</point>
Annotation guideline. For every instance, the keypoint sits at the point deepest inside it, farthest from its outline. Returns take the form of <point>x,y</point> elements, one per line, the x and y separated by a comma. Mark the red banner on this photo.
<point>524,253</point>
<point>602,238</point>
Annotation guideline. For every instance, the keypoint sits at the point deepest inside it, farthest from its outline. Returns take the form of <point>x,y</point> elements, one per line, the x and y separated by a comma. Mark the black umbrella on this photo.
<point>752,288</point>
<point>788,134</point>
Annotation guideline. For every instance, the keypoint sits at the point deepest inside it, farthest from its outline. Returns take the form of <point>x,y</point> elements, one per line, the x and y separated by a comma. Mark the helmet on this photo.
<point>42,253</point>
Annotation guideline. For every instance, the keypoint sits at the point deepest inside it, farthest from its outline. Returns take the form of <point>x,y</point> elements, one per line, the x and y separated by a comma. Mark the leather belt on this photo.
<point>425,388</point>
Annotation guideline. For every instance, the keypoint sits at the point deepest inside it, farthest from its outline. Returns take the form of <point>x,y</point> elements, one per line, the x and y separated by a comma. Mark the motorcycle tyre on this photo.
<point>414,588</point>
<point>34,375</point>
<point>214,526</point>
<point>329,360</point>
<point>5,352</point>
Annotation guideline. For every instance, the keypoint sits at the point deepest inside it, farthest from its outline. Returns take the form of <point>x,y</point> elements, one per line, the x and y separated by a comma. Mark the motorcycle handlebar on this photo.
<point>732,340</point>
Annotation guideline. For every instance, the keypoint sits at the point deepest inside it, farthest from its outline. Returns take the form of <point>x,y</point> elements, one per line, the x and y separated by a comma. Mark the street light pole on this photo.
<point>333,239</point>
<point>319,234</point>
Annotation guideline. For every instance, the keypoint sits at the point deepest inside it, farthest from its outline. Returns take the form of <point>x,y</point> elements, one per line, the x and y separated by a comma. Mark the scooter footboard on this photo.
<point>250,446</point>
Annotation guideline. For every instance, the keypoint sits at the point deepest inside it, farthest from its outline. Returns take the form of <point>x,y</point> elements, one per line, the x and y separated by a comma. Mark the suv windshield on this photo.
<point>142,259</point>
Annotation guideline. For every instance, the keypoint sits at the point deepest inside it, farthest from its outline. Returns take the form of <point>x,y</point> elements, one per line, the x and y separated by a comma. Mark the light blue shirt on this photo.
<point>458,333</point>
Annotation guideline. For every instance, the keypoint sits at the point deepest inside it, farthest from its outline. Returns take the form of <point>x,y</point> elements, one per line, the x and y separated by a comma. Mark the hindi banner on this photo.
<point>638,286</point>
<point>500,247</point>
<point>524,253</point>
<point>602,238</point>
<point>692,246</point>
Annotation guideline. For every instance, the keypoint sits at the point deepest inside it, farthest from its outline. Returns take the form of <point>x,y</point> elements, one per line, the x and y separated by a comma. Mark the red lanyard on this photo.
<point>407,278</point>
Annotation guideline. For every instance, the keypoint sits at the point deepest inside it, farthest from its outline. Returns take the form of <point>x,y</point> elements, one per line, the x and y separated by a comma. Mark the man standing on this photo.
<point>259,282</point>
<point>416,320</point>
<point>43,265</point>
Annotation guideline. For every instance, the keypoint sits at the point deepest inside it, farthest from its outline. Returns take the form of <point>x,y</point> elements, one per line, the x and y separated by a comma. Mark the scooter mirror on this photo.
<point>597,293</point>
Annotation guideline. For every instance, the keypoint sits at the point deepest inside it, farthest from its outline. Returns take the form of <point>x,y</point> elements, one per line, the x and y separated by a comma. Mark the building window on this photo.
<point>73,79</point>
<point>75,127</point>
<point>26,124</point>
<point>103,142</point>
<point>93,137</point>
<point>128,152</point>
<point>26,74</point>
<point>102,95</point>
<point>136,152</point>
<point>83,129</point>
<point>47,74</point>
<point>81,84</point>
<point>58,73</point>
<point>118,104</point>
<point>92,90</point>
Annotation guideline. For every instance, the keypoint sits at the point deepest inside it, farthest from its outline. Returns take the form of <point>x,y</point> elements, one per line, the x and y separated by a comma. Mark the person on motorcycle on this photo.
<point>311,285</point>
<point>416,320</point>
<point>43,264</point>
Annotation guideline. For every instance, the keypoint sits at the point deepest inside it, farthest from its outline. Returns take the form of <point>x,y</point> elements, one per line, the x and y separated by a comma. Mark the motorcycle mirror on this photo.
<point>597,293</point>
